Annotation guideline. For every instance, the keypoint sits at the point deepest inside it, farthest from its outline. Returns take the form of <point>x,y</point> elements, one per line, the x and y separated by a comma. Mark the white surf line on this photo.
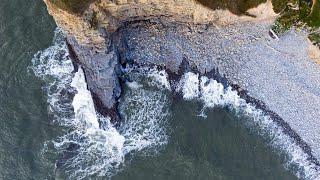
<point>97,152</point>
<point>214,94</point>
<point>189,86</point>
<point>100,151</point>
<point>145,112</point>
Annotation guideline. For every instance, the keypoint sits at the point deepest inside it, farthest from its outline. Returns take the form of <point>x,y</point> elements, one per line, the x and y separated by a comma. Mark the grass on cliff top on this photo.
<point>314,19</point>
<point>238,7</point>
<point>292,12</point>
<point>315,38</point>
<point>298,13</point>
<point>73,6</point>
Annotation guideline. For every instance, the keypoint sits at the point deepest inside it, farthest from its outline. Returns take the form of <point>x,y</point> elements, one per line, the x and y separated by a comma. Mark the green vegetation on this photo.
<point>286,21</point>
<point>73,6</point>
<point>238,7</point>
<point>300,14</point>
<point>279,5</point>
<point>293,13</point>
<point>315,38</point>
<point>314,17</point>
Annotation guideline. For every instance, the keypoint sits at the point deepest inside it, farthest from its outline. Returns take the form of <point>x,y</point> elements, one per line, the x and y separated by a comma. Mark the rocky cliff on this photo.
<point>236,45</point>
<point>90,34</point>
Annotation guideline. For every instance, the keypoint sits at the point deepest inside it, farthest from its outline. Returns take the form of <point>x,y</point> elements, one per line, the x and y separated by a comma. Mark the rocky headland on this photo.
<point>241,45</point>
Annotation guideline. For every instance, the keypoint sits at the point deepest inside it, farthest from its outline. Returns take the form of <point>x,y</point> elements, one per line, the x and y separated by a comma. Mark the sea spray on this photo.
<point>214,94</point>
<point>189,86</point>
<point>98,152</point>
<point>88,150</point>
<point>145,110</point>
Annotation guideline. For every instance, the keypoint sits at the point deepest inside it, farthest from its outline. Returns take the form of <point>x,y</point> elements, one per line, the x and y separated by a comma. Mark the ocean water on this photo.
<point>50,129</point>
<point>25,27</point>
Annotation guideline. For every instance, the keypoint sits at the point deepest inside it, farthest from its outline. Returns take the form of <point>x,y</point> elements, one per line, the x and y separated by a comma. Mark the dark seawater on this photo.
<point>25,28</point>
<point>220,146</point>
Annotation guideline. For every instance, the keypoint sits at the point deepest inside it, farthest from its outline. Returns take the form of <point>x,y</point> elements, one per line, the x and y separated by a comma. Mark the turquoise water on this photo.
<point>161,137</point>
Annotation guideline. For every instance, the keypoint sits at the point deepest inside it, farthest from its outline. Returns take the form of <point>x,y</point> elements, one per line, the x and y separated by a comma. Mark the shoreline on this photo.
<point>245,55</point>
<point>124,43</point>
<point>174,79</point>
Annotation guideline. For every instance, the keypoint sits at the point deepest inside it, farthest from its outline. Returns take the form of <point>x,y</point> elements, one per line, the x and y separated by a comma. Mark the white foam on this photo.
<point>97,151</point>
<point>101,152</point>
<point>214,94</point>
<point>159,78</point>
<point>189,85</point>
<point>83,103</point>
<point>145,115</point>
<point>54,66</point>
<point>134,85</point>
<point>151,76</point>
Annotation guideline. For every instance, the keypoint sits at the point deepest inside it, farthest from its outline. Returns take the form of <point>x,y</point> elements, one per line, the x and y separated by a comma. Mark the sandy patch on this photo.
<point>314,52</point>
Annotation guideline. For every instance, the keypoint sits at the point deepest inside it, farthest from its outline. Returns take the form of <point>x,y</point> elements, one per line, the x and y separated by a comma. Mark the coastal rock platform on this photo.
<point>275,74</point>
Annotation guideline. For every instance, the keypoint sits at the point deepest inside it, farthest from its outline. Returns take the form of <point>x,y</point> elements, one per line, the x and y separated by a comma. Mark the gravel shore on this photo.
<point>276,71</point>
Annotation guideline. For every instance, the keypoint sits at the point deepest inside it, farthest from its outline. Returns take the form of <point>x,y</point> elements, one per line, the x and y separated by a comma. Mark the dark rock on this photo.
<point>178,48</point>
<point>101,75</point>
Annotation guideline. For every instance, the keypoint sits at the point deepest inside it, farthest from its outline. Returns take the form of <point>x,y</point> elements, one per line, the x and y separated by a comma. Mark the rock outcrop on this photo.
<point>184,34</point>
<point>90,35</point>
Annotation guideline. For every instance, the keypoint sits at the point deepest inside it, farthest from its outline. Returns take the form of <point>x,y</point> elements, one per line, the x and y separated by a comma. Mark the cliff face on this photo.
<point>182,35</point>
<point>110,15</point>
<point>91,34</point>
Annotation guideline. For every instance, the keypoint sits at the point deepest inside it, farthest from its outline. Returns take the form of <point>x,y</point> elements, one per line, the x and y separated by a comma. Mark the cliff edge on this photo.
<point>238,47</point>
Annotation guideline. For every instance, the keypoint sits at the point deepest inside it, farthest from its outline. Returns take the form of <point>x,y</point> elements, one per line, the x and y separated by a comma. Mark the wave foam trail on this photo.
<point>145,114</point>
<point>214,94</point>
<point>189,85</point>
<point>54,66</point>
<point>98,152</point>
<point>144,110</point>
<point>87,149</point>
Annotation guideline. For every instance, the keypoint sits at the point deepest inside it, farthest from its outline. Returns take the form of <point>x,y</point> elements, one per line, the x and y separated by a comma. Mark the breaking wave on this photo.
<point>145,113</point>
<point>214,94</point>
<point>87,150</point>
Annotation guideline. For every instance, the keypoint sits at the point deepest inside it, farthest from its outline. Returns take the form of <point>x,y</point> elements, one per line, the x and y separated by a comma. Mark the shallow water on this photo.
<point>160,137</point>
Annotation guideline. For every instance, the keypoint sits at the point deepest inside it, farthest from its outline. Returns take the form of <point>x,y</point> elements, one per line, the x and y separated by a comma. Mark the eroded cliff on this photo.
<point>91,32</point>
<point>184,35</point>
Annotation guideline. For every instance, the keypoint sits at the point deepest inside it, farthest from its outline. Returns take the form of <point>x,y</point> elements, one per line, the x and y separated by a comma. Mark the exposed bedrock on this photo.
<point>274,74</point>
<point>95,36</point>
<point>101,72</point>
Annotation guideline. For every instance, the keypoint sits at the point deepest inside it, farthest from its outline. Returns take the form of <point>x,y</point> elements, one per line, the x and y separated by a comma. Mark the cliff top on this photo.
<point>83,18</point>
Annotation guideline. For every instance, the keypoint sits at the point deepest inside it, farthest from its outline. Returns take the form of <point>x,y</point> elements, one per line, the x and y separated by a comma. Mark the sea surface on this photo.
<point>49,128</point>
<point>25,27</point>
